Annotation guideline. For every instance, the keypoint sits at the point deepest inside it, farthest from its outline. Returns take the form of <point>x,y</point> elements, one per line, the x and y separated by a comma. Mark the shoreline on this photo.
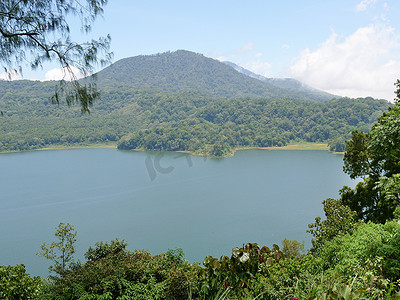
<point>94,146</point>
<point>301,146</point>
<point>78,147</point>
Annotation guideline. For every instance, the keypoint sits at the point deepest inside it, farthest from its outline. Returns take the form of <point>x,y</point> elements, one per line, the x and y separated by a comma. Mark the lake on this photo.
<point>161,201</point>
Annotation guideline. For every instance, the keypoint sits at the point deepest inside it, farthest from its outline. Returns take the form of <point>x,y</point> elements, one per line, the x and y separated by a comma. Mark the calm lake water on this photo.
<point>157,201</point>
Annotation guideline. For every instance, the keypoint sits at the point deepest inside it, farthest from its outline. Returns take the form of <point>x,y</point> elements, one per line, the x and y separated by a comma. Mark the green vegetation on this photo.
<point>182,121</point>
<point>180,101</point>
<point>15,283</point>
<point>36,32</point>
<point>374,156</point>
<point>185,71</point>
<point>60,252</point>
<point>361,265</point>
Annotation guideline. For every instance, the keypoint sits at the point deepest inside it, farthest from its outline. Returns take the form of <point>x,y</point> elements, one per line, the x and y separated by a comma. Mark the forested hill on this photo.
<point>184,71</point>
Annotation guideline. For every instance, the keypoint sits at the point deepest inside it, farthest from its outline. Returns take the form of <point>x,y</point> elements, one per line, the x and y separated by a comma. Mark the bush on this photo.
<point>15,283</point>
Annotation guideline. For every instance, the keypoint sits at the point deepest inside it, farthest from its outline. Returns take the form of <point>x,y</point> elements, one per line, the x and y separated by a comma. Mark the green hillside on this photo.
<point>180,121</point>
<point>177,101</point>
<point>185,71</point>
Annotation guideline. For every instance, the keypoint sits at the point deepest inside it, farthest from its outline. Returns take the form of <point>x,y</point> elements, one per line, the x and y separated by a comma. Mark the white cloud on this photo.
<point>366,63</point>
<point>364,4</point>
<point>10,75</point>
<point>64,74</point>
<point>248,58</point>
<point>258,67</point>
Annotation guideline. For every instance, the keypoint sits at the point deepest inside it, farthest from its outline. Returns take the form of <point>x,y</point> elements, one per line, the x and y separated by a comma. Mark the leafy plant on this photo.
<point>60,251</point>
<point>15,283</point>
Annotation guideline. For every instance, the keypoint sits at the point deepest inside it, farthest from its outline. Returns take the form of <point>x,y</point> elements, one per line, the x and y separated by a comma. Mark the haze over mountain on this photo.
<point>284,83</point>
<point>188,71</point>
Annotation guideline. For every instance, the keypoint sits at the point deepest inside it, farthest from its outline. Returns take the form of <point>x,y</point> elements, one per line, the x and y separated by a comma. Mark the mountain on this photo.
<point>284,83</point>
<point>183,71</point>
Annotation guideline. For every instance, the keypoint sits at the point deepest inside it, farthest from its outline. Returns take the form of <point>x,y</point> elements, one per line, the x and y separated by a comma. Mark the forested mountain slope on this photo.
<point>184,71</point>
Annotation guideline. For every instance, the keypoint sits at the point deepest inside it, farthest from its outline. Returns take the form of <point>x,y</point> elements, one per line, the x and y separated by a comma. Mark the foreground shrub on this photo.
<point>116,273</point>
<point>15,283</point>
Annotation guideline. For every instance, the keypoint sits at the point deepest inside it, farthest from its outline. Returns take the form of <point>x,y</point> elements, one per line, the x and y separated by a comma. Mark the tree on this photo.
<point>337,144</point>
<point>61,251</point>
<point>340,220</point>
<point>375,156</point>
<point>292,248</point>
<point>103,250</point>
<point>38,31</point>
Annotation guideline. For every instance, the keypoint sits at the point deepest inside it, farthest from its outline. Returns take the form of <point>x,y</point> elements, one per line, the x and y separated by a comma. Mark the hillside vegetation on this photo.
<point>181,121</point>
<point>179,101</point>
<point>185,71</point>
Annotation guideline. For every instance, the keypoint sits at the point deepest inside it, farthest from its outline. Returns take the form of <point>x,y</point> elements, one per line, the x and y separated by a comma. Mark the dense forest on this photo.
<point>355,250</point>
<point>177,121</point>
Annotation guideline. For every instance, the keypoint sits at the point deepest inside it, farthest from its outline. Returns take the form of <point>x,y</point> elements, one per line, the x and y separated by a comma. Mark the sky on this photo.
<point>345,47</point>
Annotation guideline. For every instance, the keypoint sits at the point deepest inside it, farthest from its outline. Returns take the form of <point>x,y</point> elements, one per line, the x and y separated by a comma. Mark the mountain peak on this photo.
<point>184,70</point>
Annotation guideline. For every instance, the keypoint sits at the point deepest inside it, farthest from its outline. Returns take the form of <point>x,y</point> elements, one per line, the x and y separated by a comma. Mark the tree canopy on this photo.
<point>38,32</point>
<point>374,156</point>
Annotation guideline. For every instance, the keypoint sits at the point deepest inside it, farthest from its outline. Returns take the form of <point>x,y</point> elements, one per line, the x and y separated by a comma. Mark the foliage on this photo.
<point>373,247</point>
<point>340,220</point>
<point>337,144</point>
<point>349,267</point>
<point>366,200</point>
<point>238,271</point>
<point>292,248</point>
<point>175,256</point>
<point>103,250</point>
<point>113,272</point>
<point>356,158</point>
<point>217,128</point>
<point>390,188</point>
<point>60,251</point>
<point>38,31</point>
<point>376,157</point>
<point>16,284</point>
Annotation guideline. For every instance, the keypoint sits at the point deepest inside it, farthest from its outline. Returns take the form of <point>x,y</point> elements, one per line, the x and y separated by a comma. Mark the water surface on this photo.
<point>157,201</point>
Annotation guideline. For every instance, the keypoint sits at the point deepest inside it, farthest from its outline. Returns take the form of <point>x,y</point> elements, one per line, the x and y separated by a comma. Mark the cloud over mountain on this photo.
<point>366,63</point>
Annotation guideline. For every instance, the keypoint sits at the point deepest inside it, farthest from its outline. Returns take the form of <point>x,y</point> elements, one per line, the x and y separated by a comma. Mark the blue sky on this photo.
<point>347,47</point>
